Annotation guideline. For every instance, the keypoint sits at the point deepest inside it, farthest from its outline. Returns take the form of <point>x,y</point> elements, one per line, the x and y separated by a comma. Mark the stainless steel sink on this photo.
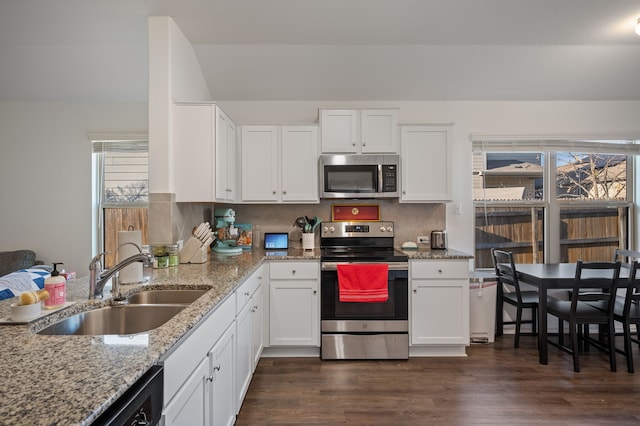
<point>173,296</point>
<point>128,319</point>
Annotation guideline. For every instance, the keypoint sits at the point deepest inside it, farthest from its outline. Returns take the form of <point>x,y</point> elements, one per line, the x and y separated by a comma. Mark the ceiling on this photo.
<point>471,50</point>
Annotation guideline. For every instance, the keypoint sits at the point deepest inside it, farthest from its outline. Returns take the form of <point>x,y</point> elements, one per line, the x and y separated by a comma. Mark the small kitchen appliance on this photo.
<point>356,329</point>
<point>226,234</point>
<point>439,240</point>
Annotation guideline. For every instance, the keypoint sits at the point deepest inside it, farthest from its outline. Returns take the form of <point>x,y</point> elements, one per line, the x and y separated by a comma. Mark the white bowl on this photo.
<point>25,312</point>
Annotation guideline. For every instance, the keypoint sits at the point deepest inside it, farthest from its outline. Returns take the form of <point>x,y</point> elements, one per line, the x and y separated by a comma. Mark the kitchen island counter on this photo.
<point>71,380</point>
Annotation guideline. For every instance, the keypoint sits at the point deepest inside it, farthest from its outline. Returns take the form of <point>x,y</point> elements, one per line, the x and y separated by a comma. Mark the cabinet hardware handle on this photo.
<point>274,192</point>
<point>284,192</point>
<point>315,291</point>
<point>246,293</point>
<point>217,367</point>
<point>364,144</point>
<point>210,379</point>
<point>415,290</point>
<point>439,271</point>
<point>293,271</point>
<point>255,307</point>
<point>404,192</point>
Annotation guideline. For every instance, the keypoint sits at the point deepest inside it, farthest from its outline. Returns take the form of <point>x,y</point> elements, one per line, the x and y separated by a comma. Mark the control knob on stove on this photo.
<point>386,229</point>
<point>328,229</point>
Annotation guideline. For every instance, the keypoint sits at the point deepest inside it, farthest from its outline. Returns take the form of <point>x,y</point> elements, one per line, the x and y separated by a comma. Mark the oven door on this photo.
<point>396,308</point>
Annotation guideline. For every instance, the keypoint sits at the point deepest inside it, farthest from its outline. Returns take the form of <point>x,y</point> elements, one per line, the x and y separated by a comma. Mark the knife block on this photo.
<point>193,252</point>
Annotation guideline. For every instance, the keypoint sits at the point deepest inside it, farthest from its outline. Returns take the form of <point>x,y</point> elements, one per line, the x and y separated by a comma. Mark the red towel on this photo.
<point>363,282</point>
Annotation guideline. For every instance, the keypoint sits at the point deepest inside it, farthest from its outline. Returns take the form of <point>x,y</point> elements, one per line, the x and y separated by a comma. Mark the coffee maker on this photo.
<point>225,233</point>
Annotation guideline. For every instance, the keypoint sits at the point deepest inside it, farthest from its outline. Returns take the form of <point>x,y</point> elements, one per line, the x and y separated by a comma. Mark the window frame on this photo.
<point>99,145</point>
<point>550,147</point>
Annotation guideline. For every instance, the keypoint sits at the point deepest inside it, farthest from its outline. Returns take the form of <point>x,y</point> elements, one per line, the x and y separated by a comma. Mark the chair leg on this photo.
<point>612,346</point>
<point>627,346</point>
<point>573,331</point>
<point>560,331</point>
<point>516,341</point>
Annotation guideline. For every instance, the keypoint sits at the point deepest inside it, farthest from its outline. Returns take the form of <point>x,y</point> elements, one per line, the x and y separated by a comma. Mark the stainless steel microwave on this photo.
<point>359,176</point>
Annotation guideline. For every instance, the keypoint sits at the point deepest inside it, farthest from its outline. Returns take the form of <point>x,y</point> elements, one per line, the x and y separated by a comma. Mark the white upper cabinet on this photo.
<point>279,163</point>
<point>259,163</point>
<point>299,154</point>
<point>425,152</point>
<point>359,131</point>
<point>203,154</point>
<point>225,157</point>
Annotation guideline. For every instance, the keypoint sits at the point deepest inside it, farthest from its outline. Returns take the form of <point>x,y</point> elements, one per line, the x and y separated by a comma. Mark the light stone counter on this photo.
<point>71,380</point>
<point>428,253</point>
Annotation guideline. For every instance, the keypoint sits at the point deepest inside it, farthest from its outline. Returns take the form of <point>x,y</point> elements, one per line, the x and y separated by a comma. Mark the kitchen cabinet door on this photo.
<point>193,155</point>
<point>379,131</point>
<point>299,171</point>
<point>244,356</point>
<point>225,168</point>
<point>339,130</point>
<point>425,152</point>
<point>439,303</point>
<point>353,131</point>
<point>259,170</point>
<point>222,359</point>
<point>294,304</point>
<point>191,405</point>
<point>257,327</point>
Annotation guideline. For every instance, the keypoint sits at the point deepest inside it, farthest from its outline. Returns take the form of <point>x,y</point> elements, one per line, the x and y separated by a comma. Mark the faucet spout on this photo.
<point>98,278</point>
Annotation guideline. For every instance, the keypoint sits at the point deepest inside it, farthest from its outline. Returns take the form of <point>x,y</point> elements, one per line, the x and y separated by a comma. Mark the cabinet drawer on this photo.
<point>246,289</point>
<point>294,270</point>
<point>430,269</point>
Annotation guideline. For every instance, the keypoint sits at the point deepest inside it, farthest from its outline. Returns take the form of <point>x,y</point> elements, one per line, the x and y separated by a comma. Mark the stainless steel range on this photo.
<point>363,329</point>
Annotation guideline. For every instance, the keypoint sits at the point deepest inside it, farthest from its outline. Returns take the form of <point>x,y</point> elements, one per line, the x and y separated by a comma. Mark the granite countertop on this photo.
<point>70,380</point>
<point>434,254</point>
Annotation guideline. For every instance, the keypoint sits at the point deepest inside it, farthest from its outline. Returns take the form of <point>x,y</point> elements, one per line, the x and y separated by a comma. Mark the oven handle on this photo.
<point>393,266</point>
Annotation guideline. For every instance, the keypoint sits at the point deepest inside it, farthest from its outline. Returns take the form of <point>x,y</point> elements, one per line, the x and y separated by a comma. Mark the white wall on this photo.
<point>495,118</point>
<point>174,75</point>
<point>45,175</point>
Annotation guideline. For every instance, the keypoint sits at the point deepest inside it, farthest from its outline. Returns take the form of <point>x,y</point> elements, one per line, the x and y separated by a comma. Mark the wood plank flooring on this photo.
<point>495,385</point>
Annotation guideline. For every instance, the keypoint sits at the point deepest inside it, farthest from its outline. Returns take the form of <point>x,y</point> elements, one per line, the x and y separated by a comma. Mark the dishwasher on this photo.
<point>141,404</point>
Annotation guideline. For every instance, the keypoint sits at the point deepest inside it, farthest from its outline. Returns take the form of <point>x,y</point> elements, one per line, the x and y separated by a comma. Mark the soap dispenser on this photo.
<point>56,285</point>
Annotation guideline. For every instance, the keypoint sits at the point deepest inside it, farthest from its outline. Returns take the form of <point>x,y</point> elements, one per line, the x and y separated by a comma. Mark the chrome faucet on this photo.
<point>98,277</point>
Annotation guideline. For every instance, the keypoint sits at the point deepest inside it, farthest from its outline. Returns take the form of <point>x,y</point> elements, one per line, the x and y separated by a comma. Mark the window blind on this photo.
<point>618,146</point>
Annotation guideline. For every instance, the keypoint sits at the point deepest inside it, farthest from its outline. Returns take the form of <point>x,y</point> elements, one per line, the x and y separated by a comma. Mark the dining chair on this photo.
<point>582,310</point>
<point>508,280</point>
<point>627,311</point>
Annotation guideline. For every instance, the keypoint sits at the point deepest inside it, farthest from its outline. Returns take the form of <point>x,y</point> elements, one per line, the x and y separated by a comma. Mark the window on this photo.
<point>552,200</point>
<point>120,190</point>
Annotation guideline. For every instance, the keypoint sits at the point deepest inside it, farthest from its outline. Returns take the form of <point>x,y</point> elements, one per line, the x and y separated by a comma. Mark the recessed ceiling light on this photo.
<point>638,27</point>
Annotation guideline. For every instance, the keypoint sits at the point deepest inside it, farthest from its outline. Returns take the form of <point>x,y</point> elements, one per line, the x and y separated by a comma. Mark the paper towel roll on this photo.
<point>133,272</point>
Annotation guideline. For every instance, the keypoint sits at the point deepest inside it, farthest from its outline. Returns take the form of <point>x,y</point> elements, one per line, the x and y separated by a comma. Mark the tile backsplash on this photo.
<point>410,220</point>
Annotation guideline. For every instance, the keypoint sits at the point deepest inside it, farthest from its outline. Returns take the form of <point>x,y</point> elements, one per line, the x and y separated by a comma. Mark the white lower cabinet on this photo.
<point>439,302</point>
<point>222,360</point>
<point>249,323</point>
<point>206,377</point>
<point>294,304</point>
<point>190,406</point>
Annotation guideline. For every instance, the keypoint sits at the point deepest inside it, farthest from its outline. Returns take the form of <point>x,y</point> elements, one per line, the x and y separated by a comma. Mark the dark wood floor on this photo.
<point>495,385</point>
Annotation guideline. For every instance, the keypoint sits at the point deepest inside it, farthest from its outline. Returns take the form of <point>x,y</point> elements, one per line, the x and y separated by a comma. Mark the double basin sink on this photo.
<point>145,311</point>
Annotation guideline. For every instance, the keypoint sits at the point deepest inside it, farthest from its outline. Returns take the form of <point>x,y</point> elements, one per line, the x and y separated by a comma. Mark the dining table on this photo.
<point>554,276</point>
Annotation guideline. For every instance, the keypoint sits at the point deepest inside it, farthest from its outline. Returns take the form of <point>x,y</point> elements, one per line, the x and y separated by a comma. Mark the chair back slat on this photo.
<point>604,280</point>
<point>506,269</point>
<point>632,295</point>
